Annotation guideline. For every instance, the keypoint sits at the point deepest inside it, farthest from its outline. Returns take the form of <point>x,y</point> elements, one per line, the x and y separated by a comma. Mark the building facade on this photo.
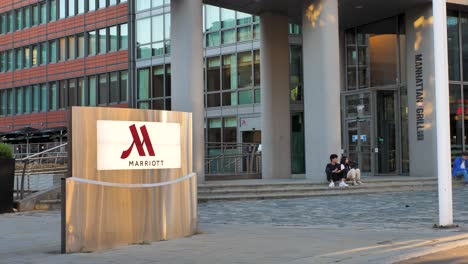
<point>303,78</point>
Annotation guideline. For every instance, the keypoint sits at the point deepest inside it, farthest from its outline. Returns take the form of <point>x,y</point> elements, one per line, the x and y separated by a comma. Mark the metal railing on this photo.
<point>40,171</point>
<point>24,150</point>
<point>232,158</point>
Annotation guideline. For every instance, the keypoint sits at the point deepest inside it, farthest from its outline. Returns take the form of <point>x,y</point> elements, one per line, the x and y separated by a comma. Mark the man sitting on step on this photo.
<point>460,166</point>
<point>334,172</point>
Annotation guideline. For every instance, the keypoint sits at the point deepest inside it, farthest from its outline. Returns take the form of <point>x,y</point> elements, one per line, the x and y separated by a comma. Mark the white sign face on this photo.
<point>126,145</point>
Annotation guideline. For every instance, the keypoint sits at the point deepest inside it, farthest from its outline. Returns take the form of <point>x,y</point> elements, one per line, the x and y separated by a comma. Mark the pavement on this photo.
<point>368,228</point>
<point>457,255</point>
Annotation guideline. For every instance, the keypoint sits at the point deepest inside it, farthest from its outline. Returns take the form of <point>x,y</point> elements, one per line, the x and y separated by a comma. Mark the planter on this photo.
<point>7,178</point>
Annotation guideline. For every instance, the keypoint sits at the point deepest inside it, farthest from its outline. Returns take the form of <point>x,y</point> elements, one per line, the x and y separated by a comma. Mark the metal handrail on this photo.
<point>26,161</point>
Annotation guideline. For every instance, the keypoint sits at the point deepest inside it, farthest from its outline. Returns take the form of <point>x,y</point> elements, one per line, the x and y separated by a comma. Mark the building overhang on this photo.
<point>352,12</point>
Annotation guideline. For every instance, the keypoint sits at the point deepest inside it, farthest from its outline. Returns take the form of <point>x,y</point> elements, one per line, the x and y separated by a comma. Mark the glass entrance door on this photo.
<point>359,143</point>
<point>386,146</point>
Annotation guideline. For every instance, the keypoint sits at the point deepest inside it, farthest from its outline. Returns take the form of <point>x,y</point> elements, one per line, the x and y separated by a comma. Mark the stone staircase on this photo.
<point>285,189</point>
<point>270,189</point>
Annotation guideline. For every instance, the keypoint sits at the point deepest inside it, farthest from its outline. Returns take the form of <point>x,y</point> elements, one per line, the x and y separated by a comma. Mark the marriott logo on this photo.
<point>124,145</point>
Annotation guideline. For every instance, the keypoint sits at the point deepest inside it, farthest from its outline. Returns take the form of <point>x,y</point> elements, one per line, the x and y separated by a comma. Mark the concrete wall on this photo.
<point>421,91</point>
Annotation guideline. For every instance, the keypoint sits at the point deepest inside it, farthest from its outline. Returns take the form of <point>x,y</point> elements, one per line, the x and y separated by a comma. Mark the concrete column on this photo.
<point>321,85</point>
<point>187,71</point>
<point>421,92</point>
<point>442,109</point>
<point>276,117</point>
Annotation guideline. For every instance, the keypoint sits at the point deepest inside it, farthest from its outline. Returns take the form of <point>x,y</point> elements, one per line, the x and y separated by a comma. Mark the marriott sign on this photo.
<point>126,145</point>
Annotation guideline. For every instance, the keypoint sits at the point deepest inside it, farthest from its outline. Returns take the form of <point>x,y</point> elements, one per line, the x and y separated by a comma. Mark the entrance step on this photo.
<point>230,177</point>
<point>55,204</point>
<point>285,189</point>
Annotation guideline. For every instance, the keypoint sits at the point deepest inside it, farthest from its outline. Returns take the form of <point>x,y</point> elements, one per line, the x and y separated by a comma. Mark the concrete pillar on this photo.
<point>321,85</point>
<point>187,71</point>
<point>421,91</point>
<point>442,109</point>
<point>276,117</point>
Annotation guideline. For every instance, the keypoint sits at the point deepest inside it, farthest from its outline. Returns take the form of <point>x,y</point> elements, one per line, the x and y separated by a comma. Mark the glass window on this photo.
<point>213,39</point>
<point>72,8</point>
<point>257,67</point>
<point>112,2</point>
<point>158,28</point>
<point>464,32</point>
<point>123,36</point>
<point>81,6</point>
<point>92,5</point>
<point>62,94</point>
<point>81,92</point>
<point>228,36</point>
<point>53,97</point>
<point>157,3</point>
<point>2,24</point>
<point>142,5</point>
<point>144,51</point>
<point>456,124</point>
<point>245,97</point>
<point>19,101</point>
<point>158,49</point>
<point>92,88</point>
<point>212,18</point>
<point>11,21</point>
<point>102,89</point>
<point>71,92</point>
<point>62,9</point>
<point>11,109</point>
<point>113,39</point>
<point>213,74</point>
<point>35,20</point>
<point>27,99</point>
<point>243,18</point>
<point>168,81</point>
<point>167,26</point>
<point>143,83</point>
<point>244,33</point>
<point>27,17</point>
<point>19,59</point>
<point>158,81</point>
<point>230,129</point>
<point>19,19</point>
<point>53,10</point>
<point>229,72</point>
<point>10,60</point>
<point>214,130</point>
<point>43,52</point>
<point>257,96</point>
<point>295,72</point>
<point>228,18</point>
<point>114,87</point>
<point>102,3</point>
<point>27,57</point>
<point>3,102</point>
<point>123,85</point>
<point>80,46</point>
<point>43,6</point>
<point>92,37</point>
<point>244,71</point>
<point>102,41</point>
<point>143,27</point>
<point>213,100</point>
<point>382,41</point>
<point>3,62</point>
<point>62,49</point>
<point>465,112</point>
<point>44,95</point>
<point>71,48</point>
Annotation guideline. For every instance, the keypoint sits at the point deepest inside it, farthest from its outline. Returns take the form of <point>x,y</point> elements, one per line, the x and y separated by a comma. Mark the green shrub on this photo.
<point>5,151</point>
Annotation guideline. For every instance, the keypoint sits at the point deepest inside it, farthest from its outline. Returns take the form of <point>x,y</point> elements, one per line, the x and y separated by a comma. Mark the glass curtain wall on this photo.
<point>457,40</point>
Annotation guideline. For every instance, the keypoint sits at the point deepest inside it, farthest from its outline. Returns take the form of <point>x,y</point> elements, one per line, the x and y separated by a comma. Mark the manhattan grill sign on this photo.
<point>126,145</point>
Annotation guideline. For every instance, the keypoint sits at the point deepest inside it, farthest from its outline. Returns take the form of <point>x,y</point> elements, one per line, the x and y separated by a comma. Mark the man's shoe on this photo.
<point>331,185</point>
<point>359,182</point>
<point>355,183</point>
<point>343,184</point>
